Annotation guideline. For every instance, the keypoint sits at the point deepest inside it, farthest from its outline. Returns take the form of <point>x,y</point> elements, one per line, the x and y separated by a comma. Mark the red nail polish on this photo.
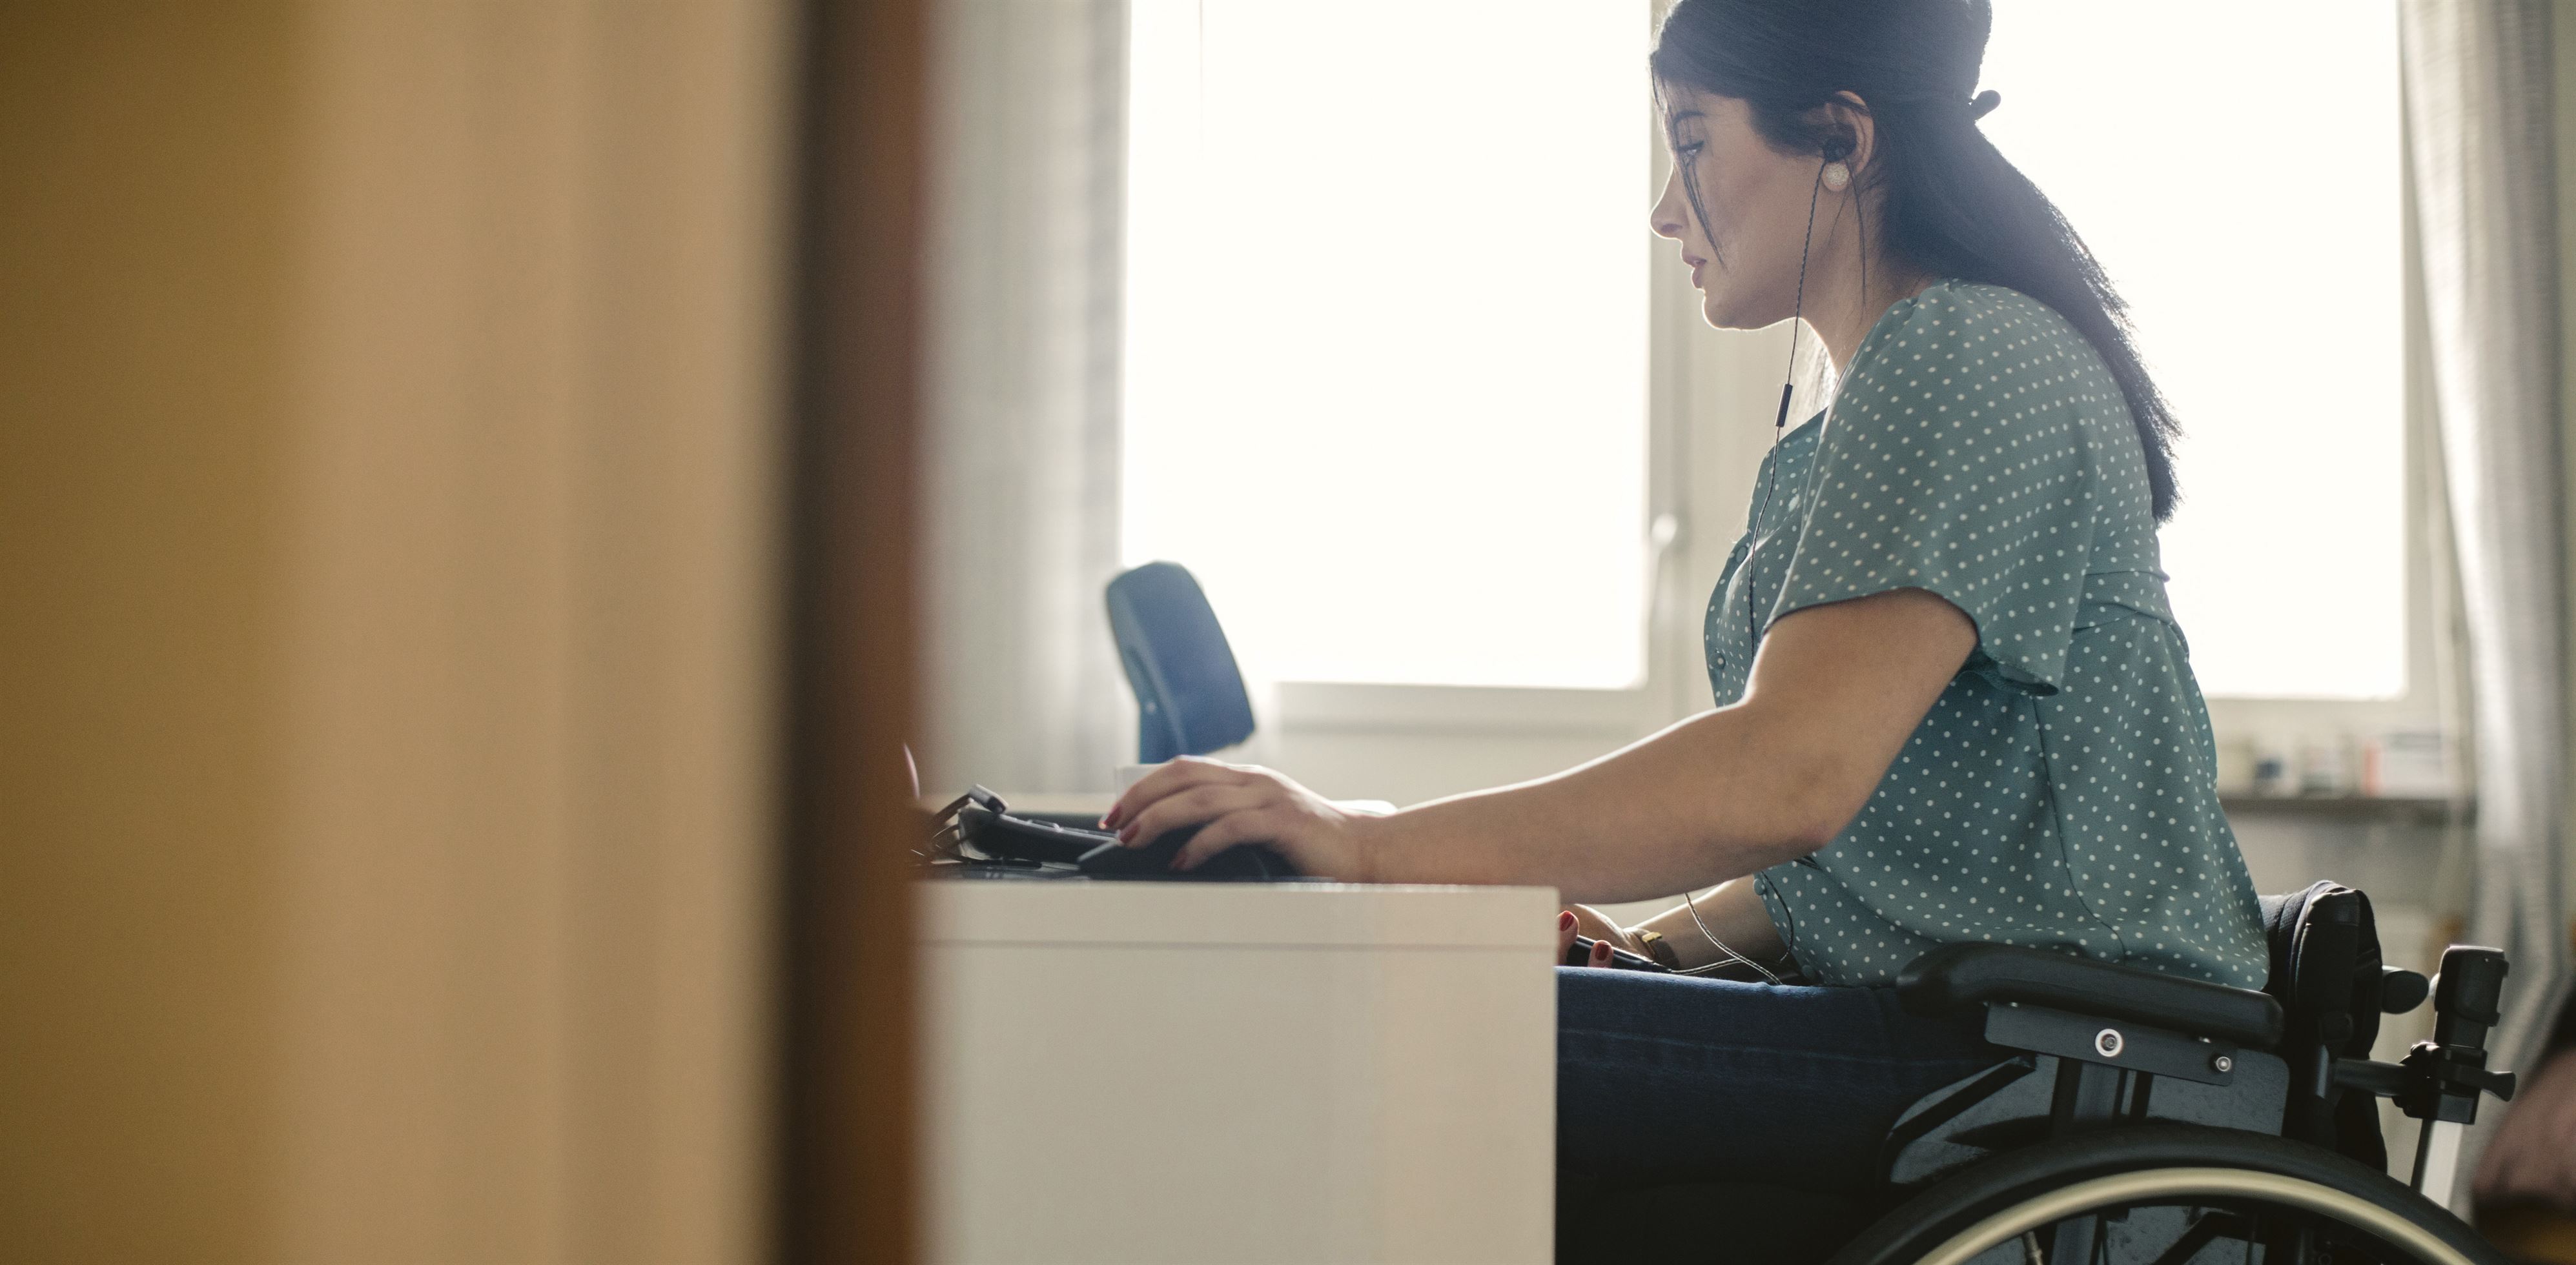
<point>1565,920</point>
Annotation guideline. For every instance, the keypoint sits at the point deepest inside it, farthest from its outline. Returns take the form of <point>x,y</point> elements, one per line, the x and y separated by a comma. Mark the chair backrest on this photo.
<point>1190,698</point>
<point>2332,984</point>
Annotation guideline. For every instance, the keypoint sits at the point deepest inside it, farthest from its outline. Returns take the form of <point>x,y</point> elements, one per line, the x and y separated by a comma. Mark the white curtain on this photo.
<point>1024,691</point>
<point>2478,121</point>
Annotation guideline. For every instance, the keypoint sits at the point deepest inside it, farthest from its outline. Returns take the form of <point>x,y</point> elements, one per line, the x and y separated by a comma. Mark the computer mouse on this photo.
<point>1154,860</point>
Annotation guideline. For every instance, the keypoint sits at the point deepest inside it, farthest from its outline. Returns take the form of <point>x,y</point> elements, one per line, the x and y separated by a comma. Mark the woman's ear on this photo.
<point>1850,134</point>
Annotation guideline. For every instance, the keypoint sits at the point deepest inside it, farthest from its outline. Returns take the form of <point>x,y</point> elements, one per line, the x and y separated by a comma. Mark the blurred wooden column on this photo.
<point>536,630</point>
<point>392,563</point>
<point>146,372</point>
<point>848,1117</point>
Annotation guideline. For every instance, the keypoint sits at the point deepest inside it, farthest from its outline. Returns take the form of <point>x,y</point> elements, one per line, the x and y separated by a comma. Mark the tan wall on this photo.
<point>145,364</point>
<point>386,516</point>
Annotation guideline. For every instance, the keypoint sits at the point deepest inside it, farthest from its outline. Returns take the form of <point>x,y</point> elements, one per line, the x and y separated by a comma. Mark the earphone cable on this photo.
<point>1779,424</point>
<point>1732,957</point>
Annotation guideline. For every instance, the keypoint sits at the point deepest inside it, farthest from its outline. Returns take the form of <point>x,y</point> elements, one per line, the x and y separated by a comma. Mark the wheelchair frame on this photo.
<point>2215,1112</point>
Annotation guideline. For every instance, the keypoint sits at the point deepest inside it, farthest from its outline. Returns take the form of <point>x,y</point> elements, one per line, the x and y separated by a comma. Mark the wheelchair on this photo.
<point>2144,1119</point>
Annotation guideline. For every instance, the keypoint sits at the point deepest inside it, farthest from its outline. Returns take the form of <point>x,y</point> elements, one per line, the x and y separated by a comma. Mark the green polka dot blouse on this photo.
<point>2060,794</point>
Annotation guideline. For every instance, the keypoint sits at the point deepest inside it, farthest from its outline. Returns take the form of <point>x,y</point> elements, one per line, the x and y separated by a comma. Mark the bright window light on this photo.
<point>2235,167</point>
<point>1385,372</point>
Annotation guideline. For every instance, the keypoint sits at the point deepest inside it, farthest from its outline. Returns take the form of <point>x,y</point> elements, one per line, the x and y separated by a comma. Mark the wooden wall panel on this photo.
<point>145,365</point>
<point>390,623</point>
<point>536,631</point>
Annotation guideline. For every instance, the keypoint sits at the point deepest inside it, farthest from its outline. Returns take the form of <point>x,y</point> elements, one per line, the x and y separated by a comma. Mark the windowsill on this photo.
<point>1315,706</point>
<point>2353,809</point>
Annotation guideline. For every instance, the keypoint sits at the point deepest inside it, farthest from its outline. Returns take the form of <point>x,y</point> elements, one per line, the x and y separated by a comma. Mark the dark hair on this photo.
<point>1952,205</point>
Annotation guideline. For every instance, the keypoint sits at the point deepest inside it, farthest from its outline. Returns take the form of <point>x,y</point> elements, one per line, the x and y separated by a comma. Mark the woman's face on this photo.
<point>1756,198</point>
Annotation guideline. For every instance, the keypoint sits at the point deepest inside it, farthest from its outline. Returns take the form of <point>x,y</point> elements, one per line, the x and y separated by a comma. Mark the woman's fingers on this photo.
<point>1592,922</point>
<point>1204,802</point>
<point>1564,932</point>
<point>1235,804</point>
<point>1172,778</point>
<point>1601,953</point>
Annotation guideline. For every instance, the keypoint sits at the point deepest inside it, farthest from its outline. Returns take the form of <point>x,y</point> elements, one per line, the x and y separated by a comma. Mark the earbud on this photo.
<point>1836,175</point>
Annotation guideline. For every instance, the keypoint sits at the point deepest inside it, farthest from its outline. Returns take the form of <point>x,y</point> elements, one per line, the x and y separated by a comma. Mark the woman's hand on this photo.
<point>1598,926</point>
<point>1606,935</point>
<point>1567,926</point>
<point>1242,803</point>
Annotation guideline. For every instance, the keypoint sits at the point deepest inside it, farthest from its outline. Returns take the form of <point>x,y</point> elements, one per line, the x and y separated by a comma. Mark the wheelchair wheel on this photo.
<point>2167,1194</point>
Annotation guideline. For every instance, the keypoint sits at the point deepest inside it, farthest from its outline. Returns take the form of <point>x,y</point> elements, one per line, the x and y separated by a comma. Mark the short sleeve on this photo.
<point>1956,461</point>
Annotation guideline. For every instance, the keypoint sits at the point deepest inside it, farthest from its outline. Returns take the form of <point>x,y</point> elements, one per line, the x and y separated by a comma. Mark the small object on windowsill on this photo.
<point>2406,763</point>
<point>2403,810</point>
<point>2272,774</point>
<point>2325,767</point>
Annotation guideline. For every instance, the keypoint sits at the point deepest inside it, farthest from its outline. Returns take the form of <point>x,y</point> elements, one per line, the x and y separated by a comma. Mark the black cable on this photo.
<point>1779,424</point>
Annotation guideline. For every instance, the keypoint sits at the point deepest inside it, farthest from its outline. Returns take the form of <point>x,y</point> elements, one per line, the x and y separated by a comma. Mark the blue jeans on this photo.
<point>1667,1078</point>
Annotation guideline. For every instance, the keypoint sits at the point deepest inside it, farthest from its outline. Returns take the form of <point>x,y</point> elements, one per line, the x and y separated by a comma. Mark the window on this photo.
<point>2236,168</point>
<point>1386,347</point>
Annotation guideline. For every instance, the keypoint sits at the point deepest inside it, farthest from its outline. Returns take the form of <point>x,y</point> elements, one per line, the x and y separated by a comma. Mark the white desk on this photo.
<point>1213,1072</point>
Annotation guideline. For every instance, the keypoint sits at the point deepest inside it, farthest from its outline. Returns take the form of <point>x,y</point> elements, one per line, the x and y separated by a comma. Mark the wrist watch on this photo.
<point>1657,947</point>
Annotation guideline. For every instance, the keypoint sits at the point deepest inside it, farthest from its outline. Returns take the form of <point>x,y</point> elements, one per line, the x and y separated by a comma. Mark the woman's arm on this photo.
<point>1834,694</point>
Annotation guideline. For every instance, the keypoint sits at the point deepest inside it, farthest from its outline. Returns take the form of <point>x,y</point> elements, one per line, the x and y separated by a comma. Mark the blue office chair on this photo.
<point>1190,698</point>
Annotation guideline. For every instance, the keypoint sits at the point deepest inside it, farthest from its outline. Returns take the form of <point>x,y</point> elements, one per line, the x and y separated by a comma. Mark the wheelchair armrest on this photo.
<point>1956,976</point>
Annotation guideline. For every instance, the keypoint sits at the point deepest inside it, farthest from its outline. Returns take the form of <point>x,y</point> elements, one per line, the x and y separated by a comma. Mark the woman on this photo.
<point>1952,703</point>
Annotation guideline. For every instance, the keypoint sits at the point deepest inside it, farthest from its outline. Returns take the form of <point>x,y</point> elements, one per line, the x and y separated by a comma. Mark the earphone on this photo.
<point>1835,176</point>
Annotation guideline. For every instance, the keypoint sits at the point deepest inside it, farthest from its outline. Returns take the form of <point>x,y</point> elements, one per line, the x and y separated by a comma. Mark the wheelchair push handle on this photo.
<point>2468,995</point>
<point>2446,1075</point>
<point>2440,1081</point>
<point>2468,999</point>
